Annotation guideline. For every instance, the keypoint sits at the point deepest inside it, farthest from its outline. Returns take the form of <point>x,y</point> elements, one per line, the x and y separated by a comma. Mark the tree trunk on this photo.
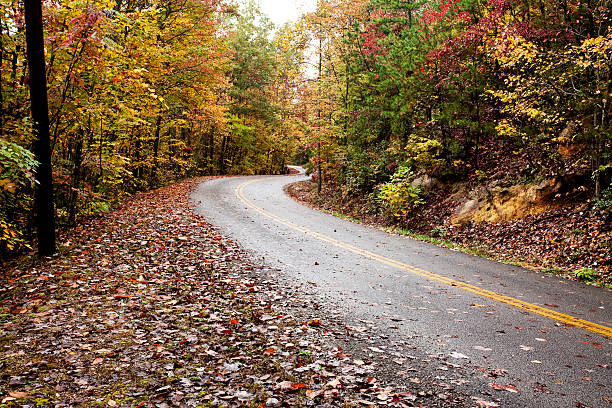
<point>211,150</point>
<point>76,179</point>
<point>156,150</point>
<point>1,98</point>
<point>43,198</point>
<point>100,151</point>
<point>222,155</point>
<point>319,175</point>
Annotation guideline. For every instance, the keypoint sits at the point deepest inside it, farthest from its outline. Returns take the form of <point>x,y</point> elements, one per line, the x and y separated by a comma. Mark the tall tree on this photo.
<point>45,220</point>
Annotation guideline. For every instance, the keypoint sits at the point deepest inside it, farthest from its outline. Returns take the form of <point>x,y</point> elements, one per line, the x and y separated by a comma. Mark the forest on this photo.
<point>371,93</point>
<point>509,89</point>
<point>141,94</point>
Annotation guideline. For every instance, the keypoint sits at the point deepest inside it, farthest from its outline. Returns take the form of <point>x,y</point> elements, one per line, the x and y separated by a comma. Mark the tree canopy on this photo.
<point>141,94</point>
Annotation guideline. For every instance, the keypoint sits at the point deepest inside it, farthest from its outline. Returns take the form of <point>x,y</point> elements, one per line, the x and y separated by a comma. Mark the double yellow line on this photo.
<point>519,304</point>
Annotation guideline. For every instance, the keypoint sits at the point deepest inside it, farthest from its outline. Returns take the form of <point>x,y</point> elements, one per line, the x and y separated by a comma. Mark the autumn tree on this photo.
<point>43,203</point>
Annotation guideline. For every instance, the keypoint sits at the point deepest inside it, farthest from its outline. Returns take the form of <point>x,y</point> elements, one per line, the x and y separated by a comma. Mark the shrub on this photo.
<point>363,170</point>
<point>424,153</point>
<point>586,274</point>
<point>17,167</point>
<point>398,194</point>
<point>603,203</point>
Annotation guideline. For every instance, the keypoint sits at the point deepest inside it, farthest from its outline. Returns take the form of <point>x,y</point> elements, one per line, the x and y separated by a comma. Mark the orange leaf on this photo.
<point>312,394</point>
<point>314,323</point>
<point>500,387</point>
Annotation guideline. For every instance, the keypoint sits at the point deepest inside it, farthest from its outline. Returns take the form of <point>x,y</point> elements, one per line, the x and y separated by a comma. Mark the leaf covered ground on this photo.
<point>571,240</point>
<point>150,306</point>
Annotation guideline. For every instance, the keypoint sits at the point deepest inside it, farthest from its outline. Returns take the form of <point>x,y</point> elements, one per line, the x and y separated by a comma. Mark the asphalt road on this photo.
<point>548,338</point>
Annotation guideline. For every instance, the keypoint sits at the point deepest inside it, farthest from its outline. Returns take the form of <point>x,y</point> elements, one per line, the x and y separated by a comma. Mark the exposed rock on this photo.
<point>426,183</point>
<point>499,204</point>
<point>566,146</point>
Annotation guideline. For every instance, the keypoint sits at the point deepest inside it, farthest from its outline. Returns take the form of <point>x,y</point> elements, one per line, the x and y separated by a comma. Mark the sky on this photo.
<point>282,11</point>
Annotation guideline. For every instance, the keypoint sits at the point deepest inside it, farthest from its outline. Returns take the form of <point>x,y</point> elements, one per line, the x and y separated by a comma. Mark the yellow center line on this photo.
<point>519,304</point>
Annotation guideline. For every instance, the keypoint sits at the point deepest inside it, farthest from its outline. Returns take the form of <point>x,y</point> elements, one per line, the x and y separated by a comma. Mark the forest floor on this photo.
<point>571,241</point>
<point>150,306</point>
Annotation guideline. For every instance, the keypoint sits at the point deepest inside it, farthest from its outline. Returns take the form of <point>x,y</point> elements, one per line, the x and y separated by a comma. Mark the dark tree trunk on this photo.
<point>43,200</point>
<point>156,150</point>
<point>319,175</point>
<point>211,151</point>
<point>76,178</point>
<point>1,99</point>
<point>222,155</point>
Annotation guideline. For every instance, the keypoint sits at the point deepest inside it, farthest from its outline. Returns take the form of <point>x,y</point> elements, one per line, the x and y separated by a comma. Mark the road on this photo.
<point>548,338</point>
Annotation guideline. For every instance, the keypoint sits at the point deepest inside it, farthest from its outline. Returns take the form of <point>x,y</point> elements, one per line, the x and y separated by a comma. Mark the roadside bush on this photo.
<point>362,170</point>
<point>398,195</point>
<point>586,274</point>
<point>424,154</point>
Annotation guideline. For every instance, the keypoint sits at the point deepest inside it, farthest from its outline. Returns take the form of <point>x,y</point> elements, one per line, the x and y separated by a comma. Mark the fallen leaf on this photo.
<point>541,388</point>
<point>500,387</point>
<point>312,394</point>
<point>484,404</point>
<point>284,386</point>
<point>335,383</point>
<point>314,323</point>
<point>455,354</point>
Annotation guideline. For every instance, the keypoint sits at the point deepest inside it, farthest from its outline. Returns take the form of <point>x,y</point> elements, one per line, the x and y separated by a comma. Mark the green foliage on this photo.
<point>586,274</point>
<point>17,168</point>
<point>398,194</point>
<point>363,170</point>
<point>604,201</point>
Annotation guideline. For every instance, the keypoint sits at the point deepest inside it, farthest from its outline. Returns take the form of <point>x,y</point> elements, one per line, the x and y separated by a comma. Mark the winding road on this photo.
<point>547,338</point>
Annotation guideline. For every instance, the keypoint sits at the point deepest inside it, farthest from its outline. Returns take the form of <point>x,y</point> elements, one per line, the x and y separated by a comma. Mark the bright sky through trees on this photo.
<point>282,11</point>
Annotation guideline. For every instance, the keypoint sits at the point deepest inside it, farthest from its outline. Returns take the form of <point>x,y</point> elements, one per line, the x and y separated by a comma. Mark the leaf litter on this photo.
<point>151,306</point>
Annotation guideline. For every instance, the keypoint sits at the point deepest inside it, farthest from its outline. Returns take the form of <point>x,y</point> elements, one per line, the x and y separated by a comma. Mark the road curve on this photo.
<point>551,338</point>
